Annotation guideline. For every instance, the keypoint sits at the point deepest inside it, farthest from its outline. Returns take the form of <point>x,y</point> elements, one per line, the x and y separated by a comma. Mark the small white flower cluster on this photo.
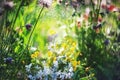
<point>51,73</point>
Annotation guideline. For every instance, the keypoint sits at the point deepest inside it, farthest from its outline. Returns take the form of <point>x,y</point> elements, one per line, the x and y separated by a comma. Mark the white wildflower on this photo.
<point>55,64</point>
<point>87,11</point>
<point>30,76</point>
<point>28,67</point>
<point>68,75</point>
<point>39,74</point>
<point>46,71</point>
<point>62,75</point>
<point>71,69</point>
<point>61,50</point>
<point>33,48</point>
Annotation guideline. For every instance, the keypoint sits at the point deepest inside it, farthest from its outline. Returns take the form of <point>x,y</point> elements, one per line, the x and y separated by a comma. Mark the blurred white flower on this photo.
<point>30,76</point>
<point>37,67</point>
<point>108,31</point>
<point>60,51</point>
<point>28,67</point>
<point>72,25</point>
<point>55,63</point>
<point>39,74</point>
<point>62,76</point>
<point>33,48</point>
<point>58,73</point>
<point>71,69</point>
<point>52,72</point>
<point>45,3</point>
<point>51,45</point>
<point>95,2</point>
<point>60,57</point>
<point>87,11</point>
<point>103,2</point>
<point>68,75</point>
<point>46,71</point>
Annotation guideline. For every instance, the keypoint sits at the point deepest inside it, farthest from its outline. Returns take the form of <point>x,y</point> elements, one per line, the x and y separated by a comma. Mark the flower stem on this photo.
<point>17,13</point>
<point>14,19</point>
<point>21,53</point>
<point>34,27</point>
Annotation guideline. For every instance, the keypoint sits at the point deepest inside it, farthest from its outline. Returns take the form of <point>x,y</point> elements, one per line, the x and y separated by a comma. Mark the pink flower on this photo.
<point>8,5</point>
<point>45,3</point>
<point>112,8</point>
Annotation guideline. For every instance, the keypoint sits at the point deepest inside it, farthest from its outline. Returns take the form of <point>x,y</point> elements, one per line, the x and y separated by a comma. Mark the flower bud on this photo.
<point>106,42</point>
<point>28,26</point>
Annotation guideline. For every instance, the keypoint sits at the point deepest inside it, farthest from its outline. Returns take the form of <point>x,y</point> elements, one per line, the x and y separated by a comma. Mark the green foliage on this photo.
<point>90,46</point>
<point>97,46</point>
<point>14,53</point>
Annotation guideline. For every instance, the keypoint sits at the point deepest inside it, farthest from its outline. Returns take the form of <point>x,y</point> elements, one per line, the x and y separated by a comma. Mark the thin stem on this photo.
<point>99,5</point>
<point>3,29</point>
<point>31,34</point>
<point>93,11</point>
<point>98,9</point>
<point>14,20</point>
<point>17,13</point>
<point>34,27</point>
